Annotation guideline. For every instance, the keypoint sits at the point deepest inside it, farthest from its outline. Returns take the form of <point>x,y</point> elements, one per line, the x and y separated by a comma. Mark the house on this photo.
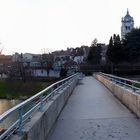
<point>60,57</point>
<point>31,63</point>
<point>78,59</point>
<point>71,67</point>
<point>80,54</point>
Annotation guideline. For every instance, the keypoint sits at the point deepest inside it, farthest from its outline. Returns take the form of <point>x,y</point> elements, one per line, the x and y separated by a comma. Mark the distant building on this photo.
<point>78,59</point>
<point>71,66</point>
<point>78,54</point>
<point>127,24</point>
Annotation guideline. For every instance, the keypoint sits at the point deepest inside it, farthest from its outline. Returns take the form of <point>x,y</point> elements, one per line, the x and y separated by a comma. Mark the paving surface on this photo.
<point>93,113</point>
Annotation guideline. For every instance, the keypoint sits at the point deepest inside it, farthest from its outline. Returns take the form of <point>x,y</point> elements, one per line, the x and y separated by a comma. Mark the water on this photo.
<point>4,106</point>
<point>7,104</point>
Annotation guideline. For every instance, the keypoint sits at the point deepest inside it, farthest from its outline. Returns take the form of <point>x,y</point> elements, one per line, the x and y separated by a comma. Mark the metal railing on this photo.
<point>34,103</point>
<point>127,83</point>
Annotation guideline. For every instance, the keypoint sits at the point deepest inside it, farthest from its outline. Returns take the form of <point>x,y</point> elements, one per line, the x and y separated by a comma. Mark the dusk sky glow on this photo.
<point>32,25</point>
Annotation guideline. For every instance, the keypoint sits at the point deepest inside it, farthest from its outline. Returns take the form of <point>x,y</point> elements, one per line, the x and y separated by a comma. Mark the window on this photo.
<point>127,27</point>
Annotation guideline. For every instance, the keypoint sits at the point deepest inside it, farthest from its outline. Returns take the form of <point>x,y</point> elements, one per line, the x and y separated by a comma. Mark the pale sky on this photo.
<point>34,25</point>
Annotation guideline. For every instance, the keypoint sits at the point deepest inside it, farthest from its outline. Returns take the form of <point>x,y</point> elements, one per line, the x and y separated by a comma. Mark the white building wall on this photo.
<point>78,59</point>
<point>43,73</point>
<point>27,57</point>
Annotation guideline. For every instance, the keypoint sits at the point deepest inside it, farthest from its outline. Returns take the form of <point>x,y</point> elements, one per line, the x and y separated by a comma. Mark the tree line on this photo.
<point>119,50</point>
<point>125,50</point>
<point>122,55</point>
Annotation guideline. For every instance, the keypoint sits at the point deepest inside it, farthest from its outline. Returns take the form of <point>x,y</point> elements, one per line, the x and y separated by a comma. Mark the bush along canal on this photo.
<point>20,90</point>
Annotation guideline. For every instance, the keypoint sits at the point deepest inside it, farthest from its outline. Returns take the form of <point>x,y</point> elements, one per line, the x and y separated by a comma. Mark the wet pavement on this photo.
<point>93,113</point>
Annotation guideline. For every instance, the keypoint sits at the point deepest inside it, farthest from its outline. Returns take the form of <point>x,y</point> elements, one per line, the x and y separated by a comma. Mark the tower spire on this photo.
<point>127,11</point>
<point>127,24</point>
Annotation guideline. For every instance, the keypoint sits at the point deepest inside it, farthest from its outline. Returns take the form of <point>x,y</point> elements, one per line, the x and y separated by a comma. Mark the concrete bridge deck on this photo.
<point>93,113</point>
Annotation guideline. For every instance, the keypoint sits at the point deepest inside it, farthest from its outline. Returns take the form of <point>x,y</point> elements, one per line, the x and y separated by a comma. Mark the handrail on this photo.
<point>128,83</point>
<point>31,99</point>
<point>40,95</point>
<point>121,78</point>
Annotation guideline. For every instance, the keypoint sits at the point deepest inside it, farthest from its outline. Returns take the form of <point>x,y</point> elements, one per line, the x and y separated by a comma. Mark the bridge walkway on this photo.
<point>93,113</point>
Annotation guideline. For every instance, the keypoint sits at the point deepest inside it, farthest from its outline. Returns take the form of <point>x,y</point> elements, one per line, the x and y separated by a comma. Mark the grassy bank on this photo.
<point>17,89</point>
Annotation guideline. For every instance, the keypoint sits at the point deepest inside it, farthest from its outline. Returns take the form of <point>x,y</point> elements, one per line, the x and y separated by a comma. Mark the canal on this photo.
<point>7,104</point>
<point>4,106</point>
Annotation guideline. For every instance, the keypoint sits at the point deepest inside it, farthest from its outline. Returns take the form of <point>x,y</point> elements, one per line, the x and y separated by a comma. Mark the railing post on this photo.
<point>62,84</point>
<point>133,87</point>
<point>52,92</point>
<point>58,87</point>
<point>20,120</point>
<point>125,83</point>
<point>114,80</point>
<point>41,103</point>
<point>118,81</point>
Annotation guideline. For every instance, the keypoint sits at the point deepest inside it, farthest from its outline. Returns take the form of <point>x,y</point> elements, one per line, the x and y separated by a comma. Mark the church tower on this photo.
<point>127,24</point>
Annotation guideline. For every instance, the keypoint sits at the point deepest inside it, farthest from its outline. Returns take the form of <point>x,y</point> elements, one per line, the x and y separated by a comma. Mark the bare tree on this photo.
<point>94,42</point>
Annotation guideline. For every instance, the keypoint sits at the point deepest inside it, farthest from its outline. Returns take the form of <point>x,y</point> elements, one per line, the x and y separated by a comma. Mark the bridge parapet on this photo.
<point>37,122</point>
<point>125,90</point>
